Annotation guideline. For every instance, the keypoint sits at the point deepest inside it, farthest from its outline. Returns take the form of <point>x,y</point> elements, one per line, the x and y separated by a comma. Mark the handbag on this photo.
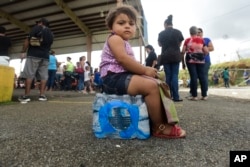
<point>34,41</point>
<point>168,104</point>
<point>37,39</point>
<point>198,58</point>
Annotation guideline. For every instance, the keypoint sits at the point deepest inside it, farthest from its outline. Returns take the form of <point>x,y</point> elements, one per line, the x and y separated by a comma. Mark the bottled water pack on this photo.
<point>120,117</point>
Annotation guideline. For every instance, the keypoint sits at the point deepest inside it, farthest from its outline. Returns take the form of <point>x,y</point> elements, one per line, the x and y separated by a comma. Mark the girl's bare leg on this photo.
<point>149,89</point>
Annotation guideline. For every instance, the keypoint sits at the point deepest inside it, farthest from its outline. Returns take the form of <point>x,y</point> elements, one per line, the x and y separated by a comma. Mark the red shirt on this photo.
<point>194,44</point>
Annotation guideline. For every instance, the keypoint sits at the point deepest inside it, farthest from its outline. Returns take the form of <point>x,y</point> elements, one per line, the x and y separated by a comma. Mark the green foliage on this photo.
<point>236,69</point>
<point>241,64</point>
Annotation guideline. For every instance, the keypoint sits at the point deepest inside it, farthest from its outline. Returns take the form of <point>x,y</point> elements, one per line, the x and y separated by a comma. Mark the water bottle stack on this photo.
<point>120,117</point>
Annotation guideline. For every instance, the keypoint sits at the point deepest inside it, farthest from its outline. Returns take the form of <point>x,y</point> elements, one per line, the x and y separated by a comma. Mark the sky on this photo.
<point>226,23</point>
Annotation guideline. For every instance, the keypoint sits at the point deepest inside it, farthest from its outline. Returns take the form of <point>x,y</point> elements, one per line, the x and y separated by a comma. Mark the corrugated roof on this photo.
<point>68,19</point>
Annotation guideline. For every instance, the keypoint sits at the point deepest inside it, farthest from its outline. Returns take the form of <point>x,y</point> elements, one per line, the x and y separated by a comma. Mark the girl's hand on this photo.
<point>151,72</point>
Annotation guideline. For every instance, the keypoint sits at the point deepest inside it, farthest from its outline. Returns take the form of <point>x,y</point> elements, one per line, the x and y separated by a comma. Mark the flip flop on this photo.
<point>175,133</point>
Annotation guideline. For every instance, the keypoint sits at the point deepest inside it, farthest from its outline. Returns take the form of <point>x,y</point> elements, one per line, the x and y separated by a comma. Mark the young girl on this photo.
<point>122,74</point>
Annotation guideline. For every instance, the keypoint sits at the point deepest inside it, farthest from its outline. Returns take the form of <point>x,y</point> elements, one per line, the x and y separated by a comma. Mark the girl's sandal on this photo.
<point>175,133</point>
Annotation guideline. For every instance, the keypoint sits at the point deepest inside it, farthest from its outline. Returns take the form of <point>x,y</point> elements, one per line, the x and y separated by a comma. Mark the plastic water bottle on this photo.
<point>122,117</point>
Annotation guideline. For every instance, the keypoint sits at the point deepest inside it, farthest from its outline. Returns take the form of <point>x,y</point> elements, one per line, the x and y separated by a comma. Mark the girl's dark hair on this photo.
<point>168,21</point>
<point>128,10</point>
<point>150,47</point>
<point>200,29</point>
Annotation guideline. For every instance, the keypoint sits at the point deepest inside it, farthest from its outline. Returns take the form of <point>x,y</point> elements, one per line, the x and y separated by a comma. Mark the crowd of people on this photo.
<point>67,77</point>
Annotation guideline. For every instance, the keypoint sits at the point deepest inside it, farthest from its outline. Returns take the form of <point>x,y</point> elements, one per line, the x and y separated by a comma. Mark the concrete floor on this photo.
<point>59,133</point>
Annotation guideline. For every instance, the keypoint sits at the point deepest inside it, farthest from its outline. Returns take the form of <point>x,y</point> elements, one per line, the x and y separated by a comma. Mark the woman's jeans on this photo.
<point>51,79</point>
<point>80,84</point>
<point>172,72</point>
<point>207,67</point>
<point>197,71</point>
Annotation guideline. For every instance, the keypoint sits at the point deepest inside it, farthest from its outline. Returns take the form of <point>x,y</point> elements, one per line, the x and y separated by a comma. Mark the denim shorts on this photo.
<point>116,83</point>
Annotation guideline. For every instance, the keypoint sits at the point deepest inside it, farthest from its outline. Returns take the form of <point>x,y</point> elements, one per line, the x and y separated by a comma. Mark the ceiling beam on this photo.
<point>73,16</point>
<point>14,21</point>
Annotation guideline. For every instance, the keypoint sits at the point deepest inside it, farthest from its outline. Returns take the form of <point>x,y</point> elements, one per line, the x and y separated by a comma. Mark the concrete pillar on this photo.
<point>89,47</point>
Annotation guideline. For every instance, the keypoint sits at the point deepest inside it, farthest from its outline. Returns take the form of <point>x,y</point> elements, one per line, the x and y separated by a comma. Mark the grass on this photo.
<point>236,69</point>
<point>241,64</point>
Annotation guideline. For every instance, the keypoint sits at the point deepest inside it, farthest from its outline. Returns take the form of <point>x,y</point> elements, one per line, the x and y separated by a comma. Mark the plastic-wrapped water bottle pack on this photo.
<point>120,117</point>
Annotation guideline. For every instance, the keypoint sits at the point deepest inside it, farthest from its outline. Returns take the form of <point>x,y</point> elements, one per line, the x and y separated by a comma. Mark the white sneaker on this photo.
<point>24,98</point>
<point>42,98</point>
<point>84,92</point>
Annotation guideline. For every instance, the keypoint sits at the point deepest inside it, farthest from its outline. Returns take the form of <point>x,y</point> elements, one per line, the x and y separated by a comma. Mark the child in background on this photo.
<point>226,76</point>
<point>87,83</point>
<point>122,74</point>
<point>246,77</point>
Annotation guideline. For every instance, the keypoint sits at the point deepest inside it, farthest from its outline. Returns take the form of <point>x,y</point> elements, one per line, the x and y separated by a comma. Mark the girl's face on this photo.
<point>148,50</point>
<point>124,27</point>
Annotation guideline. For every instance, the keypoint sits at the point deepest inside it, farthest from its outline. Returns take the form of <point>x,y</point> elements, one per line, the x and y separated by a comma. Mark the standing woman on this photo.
<point>195,50</point>
<point>68,74</point>
<point>52,68</point>
<point>210,47</point>
<point>81,65</point>
<point>151,60</point>
<point>170,41</point>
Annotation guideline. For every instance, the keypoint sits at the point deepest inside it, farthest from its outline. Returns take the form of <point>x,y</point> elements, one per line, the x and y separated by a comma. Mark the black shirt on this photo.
<point>41,51</point>
<point>5,44</point>
<point>151,58</point>
<point>170,40</point>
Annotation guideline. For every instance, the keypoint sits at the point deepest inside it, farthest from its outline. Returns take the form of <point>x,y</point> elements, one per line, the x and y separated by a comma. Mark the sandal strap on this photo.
<point>162,127</point>
<point>175,132</point>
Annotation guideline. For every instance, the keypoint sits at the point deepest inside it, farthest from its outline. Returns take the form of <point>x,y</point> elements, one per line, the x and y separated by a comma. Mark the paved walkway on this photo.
<point>59,133</point>
<point>235,92</point>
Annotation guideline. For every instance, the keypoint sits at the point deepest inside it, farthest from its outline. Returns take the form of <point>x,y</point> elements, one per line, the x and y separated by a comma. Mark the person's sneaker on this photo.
<point>84,92</point>
<point>24,98</point>
<point>42,98</point>
<point>92,92</point>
